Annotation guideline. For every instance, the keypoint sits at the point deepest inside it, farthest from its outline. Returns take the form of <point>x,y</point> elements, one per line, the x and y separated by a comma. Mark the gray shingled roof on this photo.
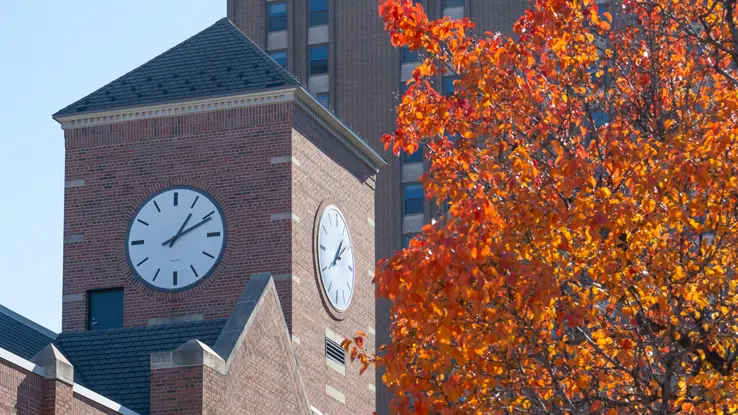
<point>219,61</point>
<point>21,336</point>
<point>116,363</point>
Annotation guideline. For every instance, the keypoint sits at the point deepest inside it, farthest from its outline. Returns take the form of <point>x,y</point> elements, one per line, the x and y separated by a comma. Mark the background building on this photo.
<point>339,49</point>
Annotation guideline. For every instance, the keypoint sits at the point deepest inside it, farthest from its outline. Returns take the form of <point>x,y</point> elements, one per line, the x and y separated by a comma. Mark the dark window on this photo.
<point>318,12</point>
<point>280,56</point>
<point>319,60</point>
<point>277,19</point>
<point>404,87</point>
<point>448,84</point>
<point>413,197</point>
<point>105,309</point>
<point>600,118</point>
<point>406,239</point>
<point>323,97</point>
<point>410,56</point>
<point>416,157</point>
<point>453,3</point>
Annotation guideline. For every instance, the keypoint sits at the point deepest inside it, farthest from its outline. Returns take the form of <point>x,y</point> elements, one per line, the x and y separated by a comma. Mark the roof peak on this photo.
<point>217,61</point>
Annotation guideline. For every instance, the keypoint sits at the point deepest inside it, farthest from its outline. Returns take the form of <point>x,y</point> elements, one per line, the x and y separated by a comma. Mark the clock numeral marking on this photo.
<point>156,205</point>
<point>174,278</point>
<point>324,230</point>
<point>194,272</point>
<point>336,219</point>
<point>208,255</point>
<point>208,215</point>
<point>343,293</point>
<point>145,223</point>
<point>322,247</point>
<point>329,286</point>
<point>193,203</point>
<point>349,286</point>
<point>141,242</point>
<point>144,260</point>
<point>213,234</point>
<point>351,268</point>
<point>336,296</point>
<point>323,270</point>
<point>157,274</point>
<point>176,198</point>
<point>329,220</point>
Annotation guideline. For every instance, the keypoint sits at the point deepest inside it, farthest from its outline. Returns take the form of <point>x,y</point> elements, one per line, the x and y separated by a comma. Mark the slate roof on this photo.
<point>116,363</point>
<point>219,61</point>
<point>20,336</point>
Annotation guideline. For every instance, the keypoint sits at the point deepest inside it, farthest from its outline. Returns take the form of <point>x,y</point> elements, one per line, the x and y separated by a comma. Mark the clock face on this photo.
<point>176,238</point>
<point>335,258</point>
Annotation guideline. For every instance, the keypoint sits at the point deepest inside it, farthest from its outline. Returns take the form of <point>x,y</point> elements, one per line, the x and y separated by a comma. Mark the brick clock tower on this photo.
<point>201,168</point>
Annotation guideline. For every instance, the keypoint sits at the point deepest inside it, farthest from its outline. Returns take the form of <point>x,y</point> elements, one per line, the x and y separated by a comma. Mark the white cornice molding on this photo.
<point>175,108</point>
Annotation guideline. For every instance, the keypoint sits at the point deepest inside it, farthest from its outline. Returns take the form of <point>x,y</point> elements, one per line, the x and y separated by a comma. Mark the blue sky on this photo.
<point>53,53</point>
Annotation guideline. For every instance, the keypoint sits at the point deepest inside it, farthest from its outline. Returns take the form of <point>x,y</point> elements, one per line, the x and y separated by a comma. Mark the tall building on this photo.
<point>340,51</point>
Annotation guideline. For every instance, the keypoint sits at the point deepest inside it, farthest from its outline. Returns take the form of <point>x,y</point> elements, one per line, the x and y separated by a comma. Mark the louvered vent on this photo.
<point>334,351</point>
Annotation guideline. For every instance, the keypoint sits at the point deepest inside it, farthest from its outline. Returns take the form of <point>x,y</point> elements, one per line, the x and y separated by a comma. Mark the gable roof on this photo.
<point>219,61</point>
<point>116,363</point>
<point>21,336</point>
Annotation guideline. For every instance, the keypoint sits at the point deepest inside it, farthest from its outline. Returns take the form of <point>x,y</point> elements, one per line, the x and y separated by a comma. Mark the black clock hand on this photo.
<point>191,228</point>
<point>338,253</point>
<point>344,250</point>
<point>174,238</point>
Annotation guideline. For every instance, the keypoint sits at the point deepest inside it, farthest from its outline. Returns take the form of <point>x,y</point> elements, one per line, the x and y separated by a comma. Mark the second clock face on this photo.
<point>176,238</point>
<point>335,258</point>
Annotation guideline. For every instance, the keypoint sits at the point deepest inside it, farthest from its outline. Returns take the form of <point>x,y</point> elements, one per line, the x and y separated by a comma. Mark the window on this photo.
<point>416,157</point>
<point>318,12</point>
<point>319,60</point>
<point>409,56</point>
<point>413,197</point>
<point>404,87</point>
<point>277,19</point>
<point>323,98</point>
<point>406,239</point>
<point>453,3</point>
<point>448,84</point>
<point>279,56</point>
<point>105,309</point>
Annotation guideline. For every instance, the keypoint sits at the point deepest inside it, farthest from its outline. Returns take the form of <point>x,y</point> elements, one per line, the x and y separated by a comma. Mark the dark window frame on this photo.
<point>311,62</point>
<point>416,201</point>
<point>416,157</point>
<point>318,17</point>
<point>270,18</point>
<point>286,58</point>
<point>453,3</point>
<point>106,293</point>
<point>408,56</point>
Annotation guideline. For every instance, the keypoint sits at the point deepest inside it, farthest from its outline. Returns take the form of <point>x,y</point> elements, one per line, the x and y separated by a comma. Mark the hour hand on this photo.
<point>338,253</point>
<point>182,233</point>
<point>173,239</point>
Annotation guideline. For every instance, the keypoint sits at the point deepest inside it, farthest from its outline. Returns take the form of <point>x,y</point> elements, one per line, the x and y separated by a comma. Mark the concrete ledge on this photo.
<point>70,298</point>
<point>192,353</point>
<point>285,216</point>
<point>341,369</point>
<point>335,394</point>
<point>370,221</point>
<point>73,239</point>
<point>295,339</point>
<point>174,320</point>
<point>372,331</point>
<point>371,387</point>
<point>96,397</point>
<point>70,184</point>
<point>55,365</point>
<point>370,273</point>
<point>285,160</point>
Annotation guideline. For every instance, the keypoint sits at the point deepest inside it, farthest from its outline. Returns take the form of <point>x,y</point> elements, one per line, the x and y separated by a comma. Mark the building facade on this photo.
<point>340,51</point>
<point>218,247</point>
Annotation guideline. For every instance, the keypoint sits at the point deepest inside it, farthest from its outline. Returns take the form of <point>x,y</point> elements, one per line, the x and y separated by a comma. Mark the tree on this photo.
<point>586,264</point>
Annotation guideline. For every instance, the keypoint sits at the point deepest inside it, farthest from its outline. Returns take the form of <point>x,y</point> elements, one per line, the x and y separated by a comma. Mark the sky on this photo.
<point>51,54</point>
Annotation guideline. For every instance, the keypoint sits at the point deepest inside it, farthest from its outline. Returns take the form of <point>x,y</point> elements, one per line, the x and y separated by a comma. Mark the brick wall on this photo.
<point>322,178</point>
<point>227,153</point>
<point>21,392</point>
<point>84,406</point>
<point>57,397</point>
<point>177,391</point>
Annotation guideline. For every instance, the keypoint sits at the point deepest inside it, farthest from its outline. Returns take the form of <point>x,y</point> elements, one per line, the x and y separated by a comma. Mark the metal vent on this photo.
<point>334,351</point>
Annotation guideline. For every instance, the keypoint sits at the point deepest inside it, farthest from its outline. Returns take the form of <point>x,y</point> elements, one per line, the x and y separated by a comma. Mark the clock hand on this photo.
<point>344,250</point>
<point>191,228</point>
<point>174,238</point>
<point>338,253</point>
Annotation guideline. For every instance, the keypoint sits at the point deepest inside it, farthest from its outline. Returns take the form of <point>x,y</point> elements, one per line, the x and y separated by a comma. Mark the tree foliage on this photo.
<point>586,263</point>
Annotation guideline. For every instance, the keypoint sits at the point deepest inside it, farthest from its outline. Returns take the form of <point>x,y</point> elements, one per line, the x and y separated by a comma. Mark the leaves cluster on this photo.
<point>586,264</point>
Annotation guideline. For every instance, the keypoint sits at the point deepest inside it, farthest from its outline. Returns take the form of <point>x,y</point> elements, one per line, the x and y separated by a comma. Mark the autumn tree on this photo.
<point>586,263</point>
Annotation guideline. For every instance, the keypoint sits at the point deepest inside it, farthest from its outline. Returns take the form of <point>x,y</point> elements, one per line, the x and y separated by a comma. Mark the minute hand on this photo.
<point>191,228</point>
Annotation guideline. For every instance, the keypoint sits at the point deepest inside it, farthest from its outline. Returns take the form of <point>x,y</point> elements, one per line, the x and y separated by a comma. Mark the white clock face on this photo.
<point>176,238</point>
<point>335,258</point>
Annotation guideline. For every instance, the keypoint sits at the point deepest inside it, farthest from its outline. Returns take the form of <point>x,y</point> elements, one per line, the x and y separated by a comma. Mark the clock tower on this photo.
<point>203,167</point>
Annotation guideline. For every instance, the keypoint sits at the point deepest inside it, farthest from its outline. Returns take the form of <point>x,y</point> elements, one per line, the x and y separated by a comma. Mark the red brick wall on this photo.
<point>177,391</point>
<point>227,153</point>
<point>21,392</point>
<point>84,406</point>
<point>329,174</point>
<point>57,397</point>
<point>261,378</point>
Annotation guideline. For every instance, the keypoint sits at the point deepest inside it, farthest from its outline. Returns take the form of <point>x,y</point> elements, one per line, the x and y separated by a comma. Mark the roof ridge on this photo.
<point>28,322</point>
